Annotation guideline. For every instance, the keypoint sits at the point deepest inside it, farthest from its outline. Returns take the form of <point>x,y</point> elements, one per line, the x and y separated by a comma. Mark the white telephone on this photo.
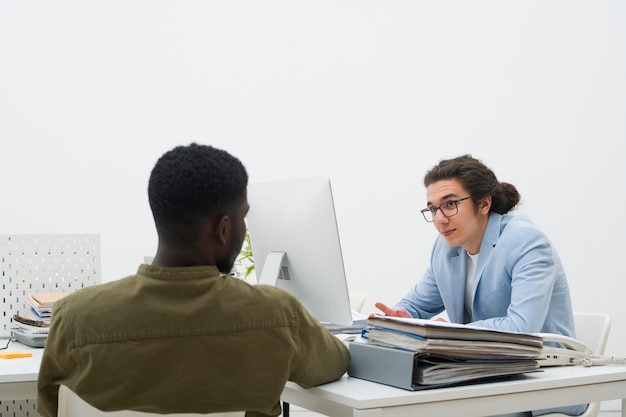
<point>572,352</point>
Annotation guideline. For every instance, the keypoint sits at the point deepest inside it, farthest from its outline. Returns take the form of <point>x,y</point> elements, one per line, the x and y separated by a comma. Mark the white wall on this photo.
<point>370,93</point>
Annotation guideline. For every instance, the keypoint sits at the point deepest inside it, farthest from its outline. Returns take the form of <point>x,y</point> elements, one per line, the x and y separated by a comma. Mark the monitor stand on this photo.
<point>274,269</point>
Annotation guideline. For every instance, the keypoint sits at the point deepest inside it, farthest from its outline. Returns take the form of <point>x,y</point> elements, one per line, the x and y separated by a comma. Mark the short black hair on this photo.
<point>189,183</point>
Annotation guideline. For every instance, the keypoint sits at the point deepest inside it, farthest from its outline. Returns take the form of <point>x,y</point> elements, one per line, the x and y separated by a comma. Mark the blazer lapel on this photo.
<point>487,247</point>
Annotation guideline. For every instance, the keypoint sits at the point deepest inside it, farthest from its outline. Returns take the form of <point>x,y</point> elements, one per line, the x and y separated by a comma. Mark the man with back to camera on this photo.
<point>182,335</point>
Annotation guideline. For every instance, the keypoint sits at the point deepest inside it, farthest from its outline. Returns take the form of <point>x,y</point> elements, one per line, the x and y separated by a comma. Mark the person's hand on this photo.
<point>387,311</point>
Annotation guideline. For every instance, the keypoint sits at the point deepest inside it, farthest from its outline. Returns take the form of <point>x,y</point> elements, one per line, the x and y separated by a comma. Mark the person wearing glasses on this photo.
<point>487,268</point>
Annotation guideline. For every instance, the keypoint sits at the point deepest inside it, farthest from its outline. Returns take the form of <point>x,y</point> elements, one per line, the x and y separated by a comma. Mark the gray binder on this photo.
<point>383,365</point>
<point>409,369</point>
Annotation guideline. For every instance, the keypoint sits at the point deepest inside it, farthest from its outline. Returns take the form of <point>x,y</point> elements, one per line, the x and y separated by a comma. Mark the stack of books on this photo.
<point>417,354</point>
<point>32,326</point>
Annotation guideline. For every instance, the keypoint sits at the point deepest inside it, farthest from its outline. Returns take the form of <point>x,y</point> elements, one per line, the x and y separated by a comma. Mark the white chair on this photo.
<point>71,405</point>
<point>593,330</point>
<point>357,300</point>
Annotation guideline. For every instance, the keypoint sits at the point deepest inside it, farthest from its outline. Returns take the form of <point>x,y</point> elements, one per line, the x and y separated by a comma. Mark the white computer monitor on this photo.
<point>296,247</point>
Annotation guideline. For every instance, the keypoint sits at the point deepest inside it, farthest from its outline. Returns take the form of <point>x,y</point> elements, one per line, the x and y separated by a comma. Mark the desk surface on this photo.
<point>552,387</point>
<point>352,397</point>
<point>20,369</point>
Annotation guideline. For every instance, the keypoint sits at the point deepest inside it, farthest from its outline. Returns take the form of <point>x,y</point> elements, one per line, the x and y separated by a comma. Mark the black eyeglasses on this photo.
<point>448,209</point>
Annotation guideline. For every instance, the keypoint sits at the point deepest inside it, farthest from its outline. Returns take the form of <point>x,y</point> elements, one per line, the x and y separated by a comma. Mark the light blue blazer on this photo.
<point>519,284</point>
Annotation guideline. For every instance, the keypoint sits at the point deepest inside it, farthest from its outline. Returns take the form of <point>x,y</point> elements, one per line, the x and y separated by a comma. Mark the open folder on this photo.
<point>417,354</point>
<point>455,348</point>
<point>433,329</point>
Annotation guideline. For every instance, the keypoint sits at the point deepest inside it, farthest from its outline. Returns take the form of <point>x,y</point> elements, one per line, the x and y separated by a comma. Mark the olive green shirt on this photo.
<point>184,340</point>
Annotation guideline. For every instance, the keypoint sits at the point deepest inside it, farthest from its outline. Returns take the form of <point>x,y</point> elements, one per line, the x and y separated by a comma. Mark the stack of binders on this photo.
<point>31,327</point>
<point>417,354</point>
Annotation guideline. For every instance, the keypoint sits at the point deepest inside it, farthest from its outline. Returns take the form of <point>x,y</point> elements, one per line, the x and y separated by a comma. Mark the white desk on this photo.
<point>18,377</point>
<point>352,397</point>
